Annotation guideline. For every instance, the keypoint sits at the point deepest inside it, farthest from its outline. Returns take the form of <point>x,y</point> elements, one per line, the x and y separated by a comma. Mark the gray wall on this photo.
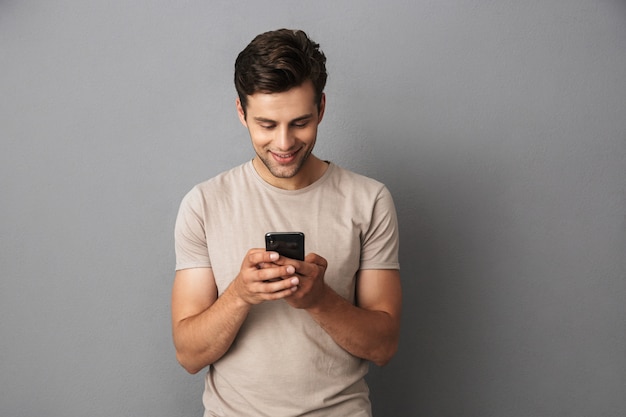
<point>499,127</point>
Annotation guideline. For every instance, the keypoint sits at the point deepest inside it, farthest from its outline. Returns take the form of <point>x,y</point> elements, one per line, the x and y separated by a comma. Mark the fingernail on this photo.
<point>290,269</point>
<point>295,281</point>
<point>273,256</point>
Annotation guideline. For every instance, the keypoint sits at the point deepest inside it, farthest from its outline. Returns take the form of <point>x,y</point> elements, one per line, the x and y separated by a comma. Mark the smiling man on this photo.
<point>285,337</point>
<point>283,128</point>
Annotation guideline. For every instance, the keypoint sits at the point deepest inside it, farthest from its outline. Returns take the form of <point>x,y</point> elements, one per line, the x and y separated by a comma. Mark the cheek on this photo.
<point>259,137</point>
<point>309,135</point>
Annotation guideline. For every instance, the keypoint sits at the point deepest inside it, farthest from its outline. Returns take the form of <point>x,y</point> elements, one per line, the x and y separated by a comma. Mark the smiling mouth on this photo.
<point>284,158</point>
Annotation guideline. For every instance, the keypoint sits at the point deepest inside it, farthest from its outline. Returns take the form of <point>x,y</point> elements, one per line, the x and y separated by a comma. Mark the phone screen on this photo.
<point>287,244</point>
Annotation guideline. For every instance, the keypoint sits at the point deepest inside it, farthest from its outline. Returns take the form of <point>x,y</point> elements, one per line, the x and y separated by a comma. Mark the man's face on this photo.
<point>283,129</point>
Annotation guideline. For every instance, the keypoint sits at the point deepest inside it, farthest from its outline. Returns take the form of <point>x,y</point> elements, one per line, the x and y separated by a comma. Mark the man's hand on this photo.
<point>311,281</point>
<point>261,279</point>
<point>205,325</point>
<point>370,329</point>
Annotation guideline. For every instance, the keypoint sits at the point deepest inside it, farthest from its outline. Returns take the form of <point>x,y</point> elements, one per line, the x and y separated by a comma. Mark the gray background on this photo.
<point>499,127</point>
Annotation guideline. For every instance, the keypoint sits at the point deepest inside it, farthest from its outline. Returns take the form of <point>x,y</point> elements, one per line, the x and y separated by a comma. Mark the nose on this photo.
<point>284,139</point>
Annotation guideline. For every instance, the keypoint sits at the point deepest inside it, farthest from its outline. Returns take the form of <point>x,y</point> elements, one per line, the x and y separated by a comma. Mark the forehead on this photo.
<point>287,104</point>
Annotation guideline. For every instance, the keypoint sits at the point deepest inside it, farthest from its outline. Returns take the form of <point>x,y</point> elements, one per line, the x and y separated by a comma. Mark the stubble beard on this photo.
<point>284,172</point>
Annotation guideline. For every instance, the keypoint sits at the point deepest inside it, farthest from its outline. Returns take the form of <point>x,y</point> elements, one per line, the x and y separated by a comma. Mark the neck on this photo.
<point>311,171</point>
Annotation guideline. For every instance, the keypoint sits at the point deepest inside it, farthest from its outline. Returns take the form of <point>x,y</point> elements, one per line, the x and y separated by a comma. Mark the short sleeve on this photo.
<point>189,233</point>
<point>381,239</point>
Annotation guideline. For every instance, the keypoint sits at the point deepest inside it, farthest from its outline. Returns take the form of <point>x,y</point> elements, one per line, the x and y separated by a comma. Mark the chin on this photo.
<point>284,173</point>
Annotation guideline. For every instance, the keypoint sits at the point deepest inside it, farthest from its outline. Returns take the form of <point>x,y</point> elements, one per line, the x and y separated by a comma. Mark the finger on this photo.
<point>274,290</point>
<point>276,272</point>
<point>316,259</point>
<point>284,287</point>
<point>260,256</point>
<point>283,260</point>
<point>264,265</point>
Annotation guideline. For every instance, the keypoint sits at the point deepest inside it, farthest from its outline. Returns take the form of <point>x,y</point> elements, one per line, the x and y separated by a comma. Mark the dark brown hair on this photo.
<point>277,61</point>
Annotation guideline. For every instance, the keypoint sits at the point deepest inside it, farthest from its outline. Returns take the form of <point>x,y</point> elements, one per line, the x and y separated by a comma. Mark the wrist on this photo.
<point>323,302</point>
<point>234,297</point>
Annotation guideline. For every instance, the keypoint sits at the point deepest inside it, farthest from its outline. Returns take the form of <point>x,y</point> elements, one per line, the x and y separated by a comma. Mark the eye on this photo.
<point>301,125</point>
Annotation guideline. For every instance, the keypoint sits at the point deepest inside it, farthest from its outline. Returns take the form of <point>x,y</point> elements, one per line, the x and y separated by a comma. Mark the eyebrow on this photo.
<point>297,119</point>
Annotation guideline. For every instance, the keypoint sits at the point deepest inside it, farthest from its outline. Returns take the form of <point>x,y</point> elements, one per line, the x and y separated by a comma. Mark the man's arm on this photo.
<point>371,328</point>
<point>203,329</point>
<point>205,325</point>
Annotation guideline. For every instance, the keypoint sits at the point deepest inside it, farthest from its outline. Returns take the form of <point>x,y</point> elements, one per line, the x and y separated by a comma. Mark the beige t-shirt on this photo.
<point>281,362</point>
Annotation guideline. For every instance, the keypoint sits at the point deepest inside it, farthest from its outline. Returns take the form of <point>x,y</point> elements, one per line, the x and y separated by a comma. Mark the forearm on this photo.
<point>367,334</point>
<point>204,325</point>
<point>202,339</point>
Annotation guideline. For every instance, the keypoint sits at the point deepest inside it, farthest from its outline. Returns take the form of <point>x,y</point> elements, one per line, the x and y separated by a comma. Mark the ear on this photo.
<point>321,109</point>
<point>241,113</point>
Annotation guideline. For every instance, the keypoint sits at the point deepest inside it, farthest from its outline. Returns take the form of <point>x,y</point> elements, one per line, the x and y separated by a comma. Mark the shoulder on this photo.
<point>357,183</point>
<point>225,179</point>
<point>220,184</point>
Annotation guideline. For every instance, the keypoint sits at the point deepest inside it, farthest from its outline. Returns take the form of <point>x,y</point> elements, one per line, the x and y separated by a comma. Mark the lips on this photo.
<point>284,158</point>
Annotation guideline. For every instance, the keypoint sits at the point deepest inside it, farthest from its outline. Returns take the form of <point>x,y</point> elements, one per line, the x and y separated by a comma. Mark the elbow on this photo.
<point>383,360</point>
<point>191,361</point>
<point>187,364</point>
<point>385,354</point>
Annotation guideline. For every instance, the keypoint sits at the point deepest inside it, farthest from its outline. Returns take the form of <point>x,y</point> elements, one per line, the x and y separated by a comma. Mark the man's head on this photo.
<point>277,61</point>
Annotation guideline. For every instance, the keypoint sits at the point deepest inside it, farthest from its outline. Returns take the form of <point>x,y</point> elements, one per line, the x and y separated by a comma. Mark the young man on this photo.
<point>284,337</point>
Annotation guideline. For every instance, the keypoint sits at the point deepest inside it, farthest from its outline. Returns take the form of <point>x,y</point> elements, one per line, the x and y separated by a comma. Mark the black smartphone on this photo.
<point>288,244</point>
